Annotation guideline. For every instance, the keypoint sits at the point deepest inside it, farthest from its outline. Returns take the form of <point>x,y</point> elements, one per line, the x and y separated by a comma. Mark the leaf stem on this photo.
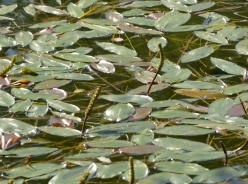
<point>160,65</point>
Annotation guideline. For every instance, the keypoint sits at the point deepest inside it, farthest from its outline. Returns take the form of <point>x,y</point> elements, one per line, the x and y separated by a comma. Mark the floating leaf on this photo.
<point>21,106</point>
<point>37,110</point>
<point>9,140</point>
<point>40,46</point>
<point>104,66</point>
<point>121,128</point>
<point>48,84</point>
<point>146,76</point>
<point>23,152</point>
<point>75,10</point>
<point>226,66</point>
<point>141,113</point>
<point>63,115</point>
<point>76,57</point>
<point>220,106</point>
<point>139,150</point>
<point>118,58</point>
<point>164,155</point>
<point>6,99</point>
<point>119,112</point>
<point>202,94</point>
<point>66,40</point>
<point>74,76</point>
<point>242,46</point>
<point>139,99</point>
<point>49,9</point>
<point>7,9</point>
<point>120,50</point>
<point>143,137</point>
<point>111,170</point>
<point>59,131</point>
<point>183,130</point>
<point>197,84</point>
<point>7,41</point>
<point>138,4</point>
<point>212,37</point>
<point>62,94</point>
<point>140,21</point>
<point>101,143</point>
<point>174,114</point>
<point>86,3</point>
<point>236,110</point>
<point>185,28</point>
<point>166,103</point>
<point>200,6</point>
<point>89,153</point>
<point>154,42</point>
<point>114,16</point>
<point>143,89</point>
<point>62,106</point>
<point>140,169</point>
<point>73,175</point>
<point>36,169</point>
<point>235,89</point>
<point>157,178</point>
<point>200,156</point>
<point>61,122</point>
<point>197,54</point>
<point>24,37</point>
<point>173,18</point>
<point>176,75</point>
<point>9,125</point>
<point>179,167</point>
<point>175,144</point>
<point>138,30</point>
<point>221,174</point>
<point>66,27</point>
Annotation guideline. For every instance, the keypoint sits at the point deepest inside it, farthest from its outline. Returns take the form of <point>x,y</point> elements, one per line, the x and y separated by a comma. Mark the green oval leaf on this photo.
<point>188,130</point>
<point>9,125</point>
<point>6,99</point>
<point>24,37</point>
<point>102,143</point>
<point>242,47</point>
<point>229,67</point>
<point>117,49</point>
<point>59,131</point>
<point>51,84</point>
<point>119,112</point>
<point>179,167</point>
<point>175,144</point>
<point>197,54</point>
<point>34,170</point>
<point>139,99</point>
<point>62,106</point>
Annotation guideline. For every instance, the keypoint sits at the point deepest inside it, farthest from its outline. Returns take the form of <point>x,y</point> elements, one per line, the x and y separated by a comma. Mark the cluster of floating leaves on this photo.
<point>51,57</point>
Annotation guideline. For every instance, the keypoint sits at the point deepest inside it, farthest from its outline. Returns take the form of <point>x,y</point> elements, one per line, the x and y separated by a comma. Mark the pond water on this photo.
<point>190,127</point>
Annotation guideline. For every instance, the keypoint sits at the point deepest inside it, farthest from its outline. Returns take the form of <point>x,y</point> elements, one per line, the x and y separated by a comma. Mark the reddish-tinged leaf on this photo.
<point>237,110</point>
<point>9,140</point>
<point>61,122</point>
